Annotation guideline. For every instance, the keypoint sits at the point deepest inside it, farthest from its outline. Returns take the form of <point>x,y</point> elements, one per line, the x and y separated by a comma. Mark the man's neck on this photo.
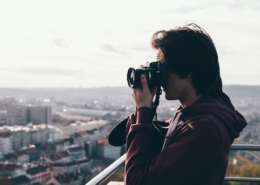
<point>189,99</point>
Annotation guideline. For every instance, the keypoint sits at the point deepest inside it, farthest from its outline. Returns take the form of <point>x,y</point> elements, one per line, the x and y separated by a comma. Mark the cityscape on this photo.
<point>59,135</point>
<point>63,81</point>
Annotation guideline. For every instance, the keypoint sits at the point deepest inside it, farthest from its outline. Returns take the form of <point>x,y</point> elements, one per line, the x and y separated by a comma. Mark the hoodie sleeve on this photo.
<point>194,151</point>
<point>131,120</point>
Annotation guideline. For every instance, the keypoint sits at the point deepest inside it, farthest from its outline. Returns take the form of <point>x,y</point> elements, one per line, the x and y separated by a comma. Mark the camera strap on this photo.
<point>156,101</point>
<point>154,114</point>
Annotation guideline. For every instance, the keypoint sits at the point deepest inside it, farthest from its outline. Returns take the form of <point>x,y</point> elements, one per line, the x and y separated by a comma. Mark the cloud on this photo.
<point>186,9</point>
<point>250,4</point>
<point>46,71</point>
<point>56,31</point>
<point>58,58</point>
<point>59,42</point>
<point>109,48</point>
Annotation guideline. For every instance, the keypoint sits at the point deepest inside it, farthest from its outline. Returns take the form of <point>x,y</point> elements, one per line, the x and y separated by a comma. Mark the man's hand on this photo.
<point>144,97</point>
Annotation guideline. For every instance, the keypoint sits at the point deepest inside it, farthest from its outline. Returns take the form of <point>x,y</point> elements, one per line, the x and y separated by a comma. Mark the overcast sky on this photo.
<point>93,43</point>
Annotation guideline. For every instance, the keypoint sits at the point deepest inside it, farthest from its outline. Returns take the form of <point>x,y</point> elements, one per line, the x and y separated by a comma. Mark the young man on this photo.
<point>203,128</point>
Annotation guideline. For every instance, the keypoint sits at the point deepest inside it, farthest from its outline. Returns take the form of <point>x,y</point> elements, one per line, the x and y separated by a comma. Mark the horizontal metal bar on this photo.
<point>242,179</point>
<point>108,171</point>
<point>114,166</point>
<point>245,147</point>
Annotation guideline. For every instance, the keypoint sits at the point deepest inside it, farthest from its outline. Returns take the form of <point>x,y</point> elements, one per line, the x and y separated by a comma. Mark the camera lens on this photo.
<point>131,77</point>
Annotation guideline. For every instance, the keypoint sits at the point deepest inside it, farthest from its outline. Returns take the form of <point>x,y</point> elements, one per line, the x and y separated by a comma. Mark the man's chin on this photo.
<point>169,97</point>
<point>166,97</point>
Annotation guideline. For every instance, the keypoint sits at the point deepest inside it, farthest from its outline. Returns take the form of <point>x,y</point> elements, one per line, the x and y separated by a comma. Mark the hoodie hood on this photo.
<point>221,108</point>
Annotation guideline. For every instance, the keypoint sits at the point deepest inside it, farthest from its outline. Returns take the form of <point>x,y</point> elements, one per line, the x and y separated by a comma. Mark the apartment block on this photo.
<point>24,115</point>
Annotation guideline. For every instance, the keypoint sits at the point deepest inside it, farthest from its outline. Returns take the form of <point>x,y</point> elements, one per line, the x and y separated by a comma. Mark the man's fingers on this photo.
<point>144,83</point>
<point>153,90</point>
<point>135,91</point>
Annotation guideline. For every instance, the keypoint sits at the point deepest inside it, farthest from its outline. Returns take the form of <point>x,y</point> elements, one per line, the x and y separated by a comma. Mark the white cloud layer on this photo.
<point>93,43</point>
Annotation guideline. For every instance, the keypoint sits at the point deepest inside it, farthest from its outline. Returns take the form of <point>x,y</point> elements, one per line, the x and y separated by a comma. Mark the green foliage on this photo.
<point>118,175</point>
<point>249,170</point>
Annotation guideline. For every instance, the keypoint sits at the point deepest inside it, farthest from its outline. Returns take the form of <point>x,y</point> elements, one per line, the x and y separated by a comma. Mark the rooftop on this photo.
<point>9,167</point>
<point>68,140</point>
<point>36,170</point>
<point>82,161</point>
<point>76,135</point>
<point>66,178</point>
<point>47,146</point>
<point>5,134</point>
<point>54,157</point>
<point>6,181</point>
<point>20,179</point>
<point>82,133</point>
<point>20,153</point>
<point>58,142</point>
<point>10,156</point>
<point>63,154</point>
<point>102,142</point>
<point>30,150</point>
<point>76,148</point>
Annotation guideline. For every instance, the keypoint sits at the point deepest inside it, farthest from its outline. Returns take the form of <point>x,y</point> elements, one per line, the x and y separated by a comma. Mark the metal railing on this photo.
<point>114,166</point>
<point>108,171</point>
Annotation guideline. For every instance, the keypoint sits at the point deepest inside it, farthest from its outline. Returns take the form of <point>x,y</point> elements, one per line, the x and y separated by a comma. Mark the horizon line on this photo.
<point>103,87</point>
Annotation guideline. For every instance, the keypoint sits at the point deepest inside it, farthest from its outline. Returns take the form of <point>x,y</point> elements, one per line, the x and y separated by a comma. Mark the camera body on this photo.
<point>155,73</point>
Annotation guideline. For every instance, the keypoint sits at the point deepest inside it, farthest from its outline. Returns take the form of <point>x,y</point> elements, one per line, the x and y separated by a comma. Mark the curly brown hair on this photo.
<point>189,50</point>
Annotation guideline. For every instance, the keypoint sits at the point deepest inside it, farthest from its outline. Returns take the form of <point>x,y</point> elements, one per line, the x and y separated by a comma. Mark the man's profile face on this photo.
<point>175,86</point>
<point>160,56</point>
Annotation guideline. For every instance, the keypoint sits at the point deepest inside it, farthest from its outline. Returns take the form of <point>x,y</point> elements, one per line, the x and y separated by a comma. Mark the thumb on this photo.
<point>144,83</point>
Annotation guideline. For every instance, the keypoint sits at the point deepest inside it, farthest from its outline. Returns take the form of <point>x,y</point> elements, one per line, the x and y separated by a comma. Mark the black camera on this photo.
<point>155,73</point>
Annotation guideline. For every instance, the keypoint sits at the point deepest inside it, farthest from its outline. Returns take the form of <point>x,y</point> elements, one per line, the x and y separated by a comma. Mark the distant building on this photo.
<point>60,157</point>
<point>59,145</point>
<point>6,181</point>
<point>26,140</point>
<point>10,157</point>
<point>24,115</point>
<point>38,115</point>
<point>16,137</point>
<point>65,156</point>
<point>66,178</point>
<point>77,152</point>
<point>47,149</point>
<point>94,113</point>
<point>39,174</point>
<point>68,141</point>
<point>54,133</point>
<point>35,136</point>
<point>6,141</point>
<point>10,170</point>
<point>21,180</point>
<point>82,126</point>
<point>53,158</point>
<point>22,156</point>
<point>17,116</point>
<point>105,150</point>
<point>44,132</point>
<point>1,157</point>
<point>76,165</point>
<point>32,152</point>
<point>88,138</point>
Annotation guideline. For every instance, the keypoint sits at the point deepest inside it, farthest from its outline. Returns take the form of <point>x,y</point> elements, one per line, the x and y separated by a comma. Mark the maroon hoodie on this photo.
<point>197,152</point>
